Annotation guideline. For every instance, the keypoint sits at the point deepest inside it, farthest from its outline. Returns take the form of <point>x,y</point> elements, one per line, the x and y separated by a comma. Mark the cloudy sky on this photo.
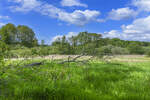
<point>124,19</point>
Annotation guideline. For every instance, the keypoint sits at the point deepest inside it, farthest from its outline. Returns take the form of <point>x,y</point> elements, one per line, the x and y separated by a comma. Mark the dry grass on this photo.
<point>118,58</point>
<point>131,58</point>
<point>53,57</point>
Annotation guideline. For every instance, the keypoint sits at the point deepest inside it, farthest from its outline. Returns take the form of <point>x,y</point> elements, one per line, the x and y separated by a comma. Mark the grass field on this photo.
<point>124,78</point>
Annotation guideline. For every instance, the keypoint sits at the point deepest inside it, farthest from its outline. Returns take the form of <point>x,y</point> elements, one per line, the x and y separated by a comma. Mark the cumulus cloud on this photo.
<point>141,25</point>
<point>121,13</point>
<point>77,17</point>
<point>69,35</point>
<point>112,34</point>
<point>143,5</point>
<point>139,30</point>
<point>25,5</point>
<point>70,3</point>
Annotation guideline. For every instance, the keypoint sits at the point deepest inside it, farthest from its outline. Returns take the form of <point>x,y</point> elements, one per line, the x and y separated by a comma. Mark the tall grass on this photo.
<point>95,81</point>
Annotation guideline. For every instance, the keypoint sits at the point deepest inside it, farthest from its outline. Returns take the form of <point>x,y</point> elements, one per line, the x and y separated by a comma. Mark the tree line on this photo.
<point>10,34</point>
<point>84,42</point>
<point>93,43</point>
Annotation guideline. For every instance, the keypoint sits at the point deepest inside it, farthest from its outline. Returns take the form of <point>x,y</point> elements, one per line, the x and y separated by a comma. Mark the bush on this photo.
<point>148,53</point>
<point>111,50</point>
<point>44,51</point>
<point>3,52</point>
<point>146,50</point>
<point>105,50</point>
<point>119,51</point>
<point>34,51</point>
<point>135,49</point>
<point>17,46</point>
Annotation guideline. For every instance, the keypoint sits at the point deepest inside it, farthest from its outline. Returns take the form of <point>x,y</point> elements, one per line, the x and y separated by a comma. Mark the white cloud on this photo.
<point>143,5</point>
<point>4,17</point>
<point>70,34</point>
<point>70,3</point>
<point>49,10</point>
<point>25,5</point>
<point>139,30</point>
<point>77,17</point>
<point>55,38</point>
<point>112,34</point>
<point>122,13</point>
<point>141,25</point>
<point>2,24</point>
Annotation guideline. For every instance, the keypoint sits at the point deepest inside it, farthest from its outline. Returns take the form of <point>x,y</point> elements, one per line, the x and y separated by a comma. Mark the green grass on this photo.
<point>94,81</point>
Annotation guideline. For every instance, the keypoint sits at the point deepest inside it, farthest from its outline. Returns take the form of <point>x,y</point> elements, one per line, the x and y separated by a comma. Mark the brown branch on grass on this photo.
<point>33,64</point>
<point>74,60</point>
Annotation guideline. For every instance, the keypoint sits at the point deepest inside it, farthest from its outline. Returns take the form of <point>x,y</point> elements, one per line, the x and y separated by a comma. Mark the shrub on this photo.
<point>148,53</point>
<point>34,51</point>
<point>105,50</point>
<point>119,51</point>
<point>135,49</point>
<point>43,51</point>
<point>3,51</point>
<point>17,46</point>
<point>146,50</point>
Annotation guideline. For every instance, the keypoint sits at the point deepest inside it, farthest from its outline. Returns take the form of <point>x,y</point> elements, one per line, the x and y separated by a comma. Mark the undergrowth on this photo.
<point>94,81</point>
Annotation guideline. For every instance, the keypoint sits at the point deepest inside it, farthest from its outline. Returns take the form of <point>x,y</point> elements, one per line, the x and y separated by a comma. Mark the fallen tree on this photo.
<point>34,64</point>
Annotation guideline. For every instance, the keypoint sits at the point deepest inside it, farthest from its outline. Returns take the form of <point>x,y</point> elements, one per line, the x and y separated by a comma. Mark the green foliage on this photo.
<point>61,46</point>
<point>119,51</point>
<point>10,34</point>
<point>93,44</point>
<point>42,42</point>
<point>26,35</point>
<point>44,51</point>
<point>106,50</point>
<point>135,49</point>
<point>148,53</point>
<point>98,81</point>
<point>3,52</point>
<point>23,37</point>
<point>146,50</point>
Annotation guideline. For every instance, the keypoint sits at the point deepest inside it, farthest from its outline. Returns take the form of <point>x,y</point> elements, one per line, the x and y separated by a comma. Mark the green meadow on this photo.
<point>95,80</point>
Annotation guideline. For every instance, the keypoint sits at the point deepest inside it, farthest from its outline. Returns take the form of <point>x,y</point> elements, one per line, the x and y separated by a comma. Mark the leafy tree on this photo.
<point>26,35</point>
<point>42,42</point>
<point>62,46</point>
<point>35,42</point>
<point>93,43</point>
<point>106,50</point>
<point>135,48</point>
<point>8,33</point>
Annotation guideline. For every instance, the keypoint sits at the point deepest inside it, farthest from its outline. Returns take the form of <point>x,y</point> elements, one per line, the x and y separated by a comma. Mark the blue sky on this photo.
<point>124,19</point>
